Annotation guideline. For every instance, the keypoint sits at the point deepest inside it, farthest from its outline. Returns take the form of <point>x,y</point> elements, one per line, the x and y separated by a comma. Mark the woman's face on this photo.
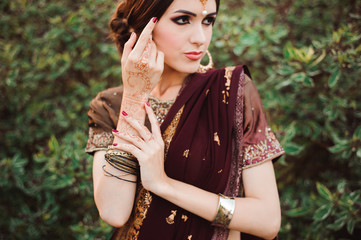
<point>183,34</point>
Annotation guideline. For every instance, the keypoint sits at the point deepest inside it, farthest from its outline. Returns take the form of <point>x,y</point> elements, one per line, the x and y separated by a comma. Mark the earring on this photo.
<point>203,69</point>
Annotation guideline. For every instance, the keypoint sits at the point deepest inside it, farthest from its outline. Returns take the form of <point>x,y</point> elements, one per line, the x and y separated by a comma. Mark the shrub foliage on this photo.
<point>303,55</point>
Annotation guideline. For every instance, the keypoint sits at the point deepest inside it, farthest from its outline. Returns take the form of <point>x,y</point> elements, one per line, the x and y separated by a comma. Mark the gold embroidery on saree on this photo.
<point>170,219</point>
<point>169,132</point>
<point>186,153</point>
<point>216,139</point>
<point>228,77</point>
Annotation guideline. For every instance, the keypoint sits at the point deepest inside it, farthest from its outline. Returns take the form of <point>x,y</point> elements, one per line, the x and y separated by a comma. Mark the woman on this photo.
<point>203,170</point>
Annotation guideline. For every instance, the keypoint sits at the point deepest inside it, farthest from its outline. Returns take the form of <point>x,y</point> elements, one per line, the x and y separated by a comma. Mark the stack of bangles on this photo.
<point>122,161</point>
<point>226,206</point>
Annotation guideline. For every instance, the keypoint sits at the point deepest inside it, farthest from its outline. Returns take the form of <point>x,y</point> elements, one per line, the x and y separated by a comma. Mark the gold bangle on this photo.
<point>113,151</point>
<point>123,165</point>
<point>226,206</point>
<point>121,161</point>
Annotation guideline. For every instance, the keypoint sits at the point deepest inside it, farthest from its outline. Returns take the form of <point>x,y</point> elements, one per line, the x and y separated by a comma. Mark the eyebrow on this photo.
<point>191,13</point>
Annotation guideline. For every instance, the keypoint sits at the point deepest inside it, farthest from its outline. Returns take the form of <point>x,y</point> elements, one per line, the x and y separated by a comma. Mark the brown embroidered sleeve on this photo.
<point>103,116</point>
<point>259,143</point>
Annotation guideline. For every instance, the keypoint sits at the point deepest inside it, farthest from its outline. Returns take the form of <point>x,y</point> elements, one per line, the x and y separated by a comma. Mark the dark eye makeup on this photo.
<point>184,19</point>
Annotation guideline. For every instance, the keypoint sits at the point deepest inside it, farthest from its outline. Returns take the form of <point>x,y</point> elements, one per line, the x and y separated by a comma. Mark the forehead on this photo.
<point>192,6</point>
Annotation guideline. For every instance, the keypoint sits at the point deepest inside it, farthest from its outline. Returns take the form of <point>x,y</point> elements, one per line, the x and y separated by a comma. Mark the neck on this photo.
<point>169,85</point>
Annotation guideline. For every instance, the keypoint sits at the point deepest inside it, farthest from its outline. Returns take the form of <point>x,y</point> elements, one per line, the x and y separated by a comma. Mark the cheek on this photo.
<point>166,41</point>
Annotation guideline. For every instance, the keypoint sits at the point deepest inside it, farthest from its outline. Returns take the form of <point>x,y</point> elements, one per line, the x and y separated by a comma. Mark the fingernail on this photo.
<point>115,144</point>
<point>155,19</point>
<point>132,35</point>
<point>148,104</point>
<point>114,130</point>
<point>124,114</point>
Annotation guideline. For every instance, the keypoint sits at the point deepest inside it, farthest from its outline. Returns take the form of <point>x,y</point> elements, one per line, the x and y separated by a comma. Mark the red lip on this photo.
<point>195,55</point>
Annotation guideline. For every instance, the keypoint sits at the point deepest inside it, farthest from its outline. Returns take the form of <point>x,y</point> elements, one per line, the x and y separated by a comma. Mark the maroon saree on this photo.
<point>199,134</point>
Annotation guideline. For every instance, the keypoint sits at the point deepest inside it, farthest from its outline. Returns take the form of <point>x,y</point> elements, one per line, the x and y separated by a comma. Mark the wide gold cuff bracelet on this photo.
<point>226,206</point>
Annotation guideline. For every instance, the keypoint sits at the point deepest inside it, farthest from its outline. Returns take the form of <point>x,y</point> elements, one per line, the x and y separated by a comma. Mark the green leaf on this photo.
<point>324,191</point>
<point>299,77</point>
<point>307,81</point>
<point>351,225</point>
<point>292,148</point>
<point>53,144</point>
<point>354,196</point>
<point>347,153</point>
<point>297,212</point>
<point>357,132</point>
<point>338,224</point>
<point>319,59</point>
<point>358,153</point>
<point>322,213</point>
<point>285,70</point>
<point>338,148</point>
<point>334,78</point>
<point>341,186</point>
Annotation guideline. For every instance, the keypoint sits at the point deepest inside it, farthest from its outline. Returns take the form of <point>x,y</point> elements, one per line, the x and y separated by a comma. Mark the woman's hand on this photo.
<point>148,148</point>
<point>142,65</point>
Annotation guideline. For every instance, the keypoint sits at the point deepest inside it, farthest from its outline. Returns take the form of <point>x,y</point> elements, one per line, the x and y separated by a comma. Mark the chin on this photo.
<point>186,68</point>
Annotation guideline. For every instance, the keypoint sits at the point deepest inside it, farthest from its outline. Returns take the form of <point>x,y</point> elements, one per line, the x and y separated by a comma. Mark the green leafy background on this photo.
<point>305,60</point>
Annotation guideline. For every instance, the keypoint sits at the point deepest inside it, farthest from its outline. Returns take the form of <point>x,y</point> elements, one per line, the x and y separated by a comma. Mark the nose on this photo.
<point>198,35</point>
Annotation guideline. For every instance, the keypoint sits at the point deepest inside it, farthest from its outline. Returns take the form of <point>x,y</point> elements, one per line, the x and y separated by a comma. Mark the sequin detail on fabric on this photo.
<point>160,108</point>
<point>265,150</point>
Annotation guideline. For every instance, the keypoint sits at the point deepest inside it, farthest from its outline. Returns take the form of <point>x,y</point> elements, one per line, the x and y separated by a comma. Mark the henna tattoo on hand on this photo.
<point>139,79</point>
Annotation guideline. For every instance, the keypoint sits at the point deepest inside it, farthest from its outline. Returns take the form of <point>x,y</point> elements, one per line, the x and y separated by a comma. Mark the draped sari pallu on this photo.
<point>197,132</point>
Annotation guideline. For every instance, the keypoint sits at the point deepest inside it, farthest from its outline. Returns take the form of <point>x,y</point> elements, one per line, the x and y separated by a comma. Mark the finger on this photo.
<point>153,53</point>
<point>142,130</point>
<point>132,139</point>
<point>130,149</point>
<point>153,122</point>
<point>144,37</point>
<point>160,60</point>
<point>128,46</point>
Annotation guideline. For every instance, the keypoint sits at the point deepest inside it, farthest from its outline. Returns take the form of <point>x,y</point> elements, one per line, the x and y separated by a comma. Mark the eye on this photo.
<point>181,20</point>
<point>209,20</point>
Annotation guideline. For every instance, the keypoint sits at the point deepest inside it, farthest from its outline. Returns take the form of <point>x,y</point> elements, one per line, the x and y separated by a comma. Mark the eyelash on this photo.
<point>185,19</point>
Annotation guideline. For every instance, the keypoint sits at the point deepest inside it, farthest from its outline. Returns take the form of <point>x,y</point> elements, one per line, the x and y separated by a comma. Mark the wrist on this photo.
<point>163,187</point>
<point>136,98</point>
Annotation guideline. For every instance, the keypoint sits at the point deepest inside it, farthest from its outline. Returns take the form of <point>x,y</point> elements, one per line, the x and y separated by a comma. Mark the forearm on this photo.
<point>252,215</point>
<point>114,198</point>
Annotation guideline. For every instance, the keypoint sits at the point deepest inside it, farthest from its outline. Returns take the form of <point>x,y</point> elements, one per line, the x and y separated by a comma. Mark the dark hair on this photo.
<point>133,16</point>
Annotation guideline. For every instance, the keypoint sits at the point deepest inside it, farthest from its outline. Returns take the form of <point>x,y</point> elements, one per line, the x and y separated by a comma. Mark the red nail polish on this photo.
<point>124,114</point>
<point>155,19</point>
<point>114,130</point>
<point>148,104</point>
<point>115,144</point>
